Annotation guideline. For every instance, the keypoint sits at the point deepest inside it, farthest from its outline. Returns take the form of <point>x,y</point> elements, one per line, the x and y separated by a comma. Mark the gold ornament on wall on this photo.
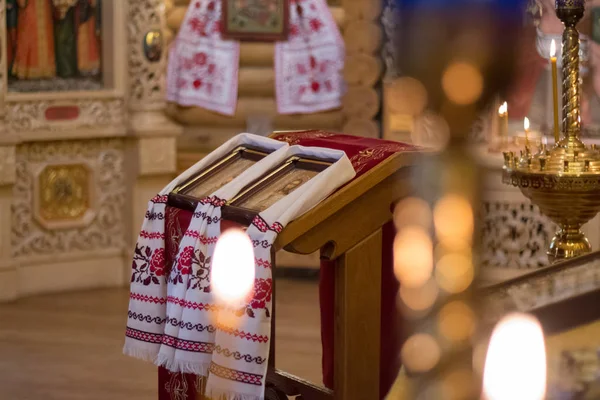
<point>64,192</point>
<point>153,45</point>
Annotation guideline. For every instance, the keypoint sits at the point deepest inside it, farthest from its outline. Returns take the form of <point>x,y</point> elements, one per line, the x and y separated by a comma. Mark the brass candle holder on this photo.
<point>564,181</point>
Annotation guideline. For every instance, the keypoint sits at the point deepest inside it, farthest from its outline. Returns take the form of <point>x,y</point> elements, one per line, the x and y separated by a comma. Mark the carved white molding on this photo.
<point>7,165</point>
<point>157,155</point>
<point>106,231</point>
<point>29,116</point>
<point>389,50</point>
<point>146,78</point>
<point>514,235</point>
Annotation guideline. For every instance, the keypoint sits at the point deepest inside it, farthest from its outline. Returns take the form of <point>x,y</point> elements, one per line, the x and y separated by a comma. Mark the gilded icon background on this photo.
<point>278,189</point>
<point>64,192</point>
<point>54,45</point>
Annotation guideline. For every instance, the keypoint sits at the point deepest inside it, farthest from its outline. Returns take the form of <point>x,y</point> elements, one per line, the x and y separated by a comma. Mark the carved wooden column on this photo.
<point>153,134</point>
<point>8,272</point>
<point>8,287</point>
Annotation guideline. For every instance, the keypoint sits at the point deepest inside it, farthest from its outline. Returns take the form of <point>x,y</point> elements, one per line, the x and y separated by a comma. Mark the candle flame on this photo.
<point>526,124</point>
<point>232,270</point>
<point>553,49</point>
<point>515,365</point>
<point>503,109</point>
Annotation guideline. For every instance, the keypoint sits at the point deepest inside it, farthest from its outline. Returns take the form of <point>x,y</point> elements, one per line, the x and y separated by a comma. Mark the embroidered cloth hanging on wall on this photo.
<point>173,317</point>
<point>203,67</point>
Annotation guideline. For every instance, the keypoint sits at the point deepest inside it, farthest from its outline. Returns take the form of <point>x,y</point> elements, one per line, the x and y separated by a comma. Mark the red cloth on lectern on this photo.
<point>364,153</point>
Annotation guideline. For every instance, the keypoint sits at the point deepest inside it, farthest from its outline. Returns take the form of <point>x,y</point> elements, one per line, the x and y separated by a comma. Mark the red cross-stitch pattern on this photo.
<point>192,305</point>
<point>152,235</point>
<point>277,227</point>
<point>188,345</point>
<point>262,263</point>
<point>160,199</point>
<point>214,200</point>
<point>203,239</point>
<point>143,336</point>
<point>243,335</point>
<point>260,223</point>
<point>147,299</point>
<point>235,375</point>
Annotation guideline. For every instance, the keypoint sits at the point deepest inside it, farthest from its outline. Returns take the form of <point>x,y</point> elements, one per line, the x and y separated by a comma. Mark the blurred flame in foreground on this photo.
<point>515,366</point>
<point>232,272</point>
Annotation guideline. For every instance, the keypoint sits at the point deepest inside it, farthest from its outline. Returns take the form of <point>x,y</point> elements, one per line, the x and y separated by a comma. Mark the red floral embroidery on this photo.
<point>200,59</point>
<point>197,25</point>
<point>183,266</point>
<point>262,293</point>
<point>197,83</point>
<point>147,267</point>
<point>294,30</point>
<point>315,24</point>
<point>185,260</point>
<point>157,263</point>
<point>200,277</point>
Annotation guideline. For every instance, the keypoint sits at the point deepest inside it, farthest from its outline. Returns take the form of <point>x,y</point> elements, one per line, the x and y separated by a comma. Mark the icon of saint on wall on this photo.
<point>53,45</point>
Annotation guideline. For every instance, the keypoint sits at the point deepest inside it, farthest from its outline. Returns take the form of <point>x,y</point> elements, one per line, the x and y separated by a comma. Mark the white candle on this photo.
<point>232,270</point>
<point>515,365</point>
<point>526,125</point>
<point>503,116</point>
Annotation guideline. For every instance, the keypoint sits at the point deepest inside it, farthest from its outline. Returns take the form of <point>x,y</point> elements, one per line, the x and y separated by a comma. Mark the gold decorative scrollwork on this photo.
<point>64,192</point>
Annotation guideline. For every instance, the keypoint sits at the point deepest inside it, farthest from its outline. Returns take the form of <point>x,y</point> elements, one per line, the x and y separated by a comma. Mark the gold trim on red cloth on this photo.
<point>295,137</point>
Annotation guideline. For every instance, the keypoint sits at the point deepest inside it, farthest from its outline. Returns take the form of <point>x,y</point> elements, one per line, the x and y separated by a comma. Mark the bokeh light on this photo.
<point>454,272</point>
<point>419,298</point>
<point>456,321</point>
<point>515,366</point>
<point>420,353</point>
<point>232,271</point>
<point>413,256</point>
<point>462,83</point>
<point>412,211</point>
<point>453,219</point>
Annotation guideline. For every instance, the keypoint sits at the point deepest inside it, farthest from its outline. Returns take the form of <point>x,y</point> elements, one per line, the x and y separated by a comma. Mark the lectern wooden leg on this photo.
<point>358,319</point>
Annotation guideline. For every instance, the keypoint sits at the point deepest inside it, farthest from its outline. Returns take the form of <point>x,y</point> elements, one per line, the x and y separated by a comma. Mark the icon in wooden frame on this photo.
<point>278,183</point>
<point>255,20</point>
<point>215,176</point>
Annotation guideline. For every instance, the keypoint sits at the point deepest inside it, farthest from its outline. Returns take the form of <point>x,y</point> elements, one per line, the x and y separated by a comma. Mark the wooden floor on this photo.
<point>68,346</point>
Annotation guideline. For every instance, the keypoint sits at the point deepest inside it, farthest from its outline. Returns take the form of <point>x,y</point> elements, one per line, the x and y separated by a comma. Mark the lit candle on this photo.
<point>526,127</point>
<point>503,126</point>
<point>515,365</point>
<point>554,90</point>
<point>232,270</point>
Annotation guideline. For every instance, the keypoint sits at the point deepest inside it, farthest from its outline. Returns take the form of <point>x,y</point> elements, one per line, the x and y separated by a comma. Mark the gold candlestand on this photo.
<point>564,182</point>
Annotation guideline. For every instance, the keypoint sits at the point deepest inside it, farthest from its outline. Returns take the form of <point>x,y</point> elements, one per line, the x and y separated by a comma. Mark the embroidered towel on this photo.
<point>194,336</point>
<point>203,68</point>
<point>239,364</point>
<point>148,295</point>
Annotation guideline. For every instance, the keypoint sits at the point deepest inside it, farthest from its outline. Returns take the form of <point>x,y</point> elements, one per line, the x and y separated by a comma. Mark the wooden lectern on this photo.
<point>347,228</point>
